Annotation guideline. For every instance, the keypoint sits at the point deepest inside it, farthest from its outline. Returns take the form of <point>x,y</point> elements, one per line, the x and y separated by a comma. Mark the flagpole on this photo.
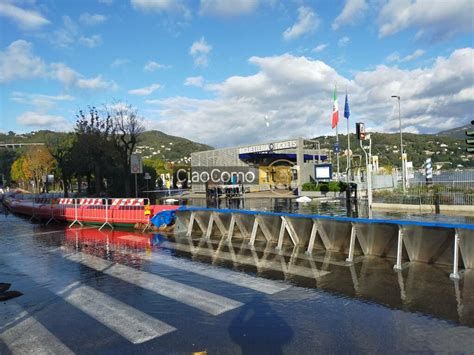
<point>348,152</point>
<point>337,153</point>
<point>348,166</point>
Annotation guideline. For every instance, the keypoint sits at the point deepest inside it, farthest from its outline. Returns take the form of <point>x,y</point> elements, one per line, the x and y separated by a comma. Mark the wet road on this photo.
<point>123,292</point>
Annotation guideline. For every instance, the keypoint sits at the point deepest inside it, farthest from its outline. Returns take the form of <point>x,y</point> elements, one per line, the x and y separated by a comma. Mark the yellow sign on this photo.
<point>147,210</point>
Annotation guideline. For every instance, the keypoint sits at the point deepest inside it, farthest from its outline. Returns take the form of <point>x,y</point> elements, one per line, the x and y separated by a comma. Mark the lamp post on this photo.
<point>401,145</point>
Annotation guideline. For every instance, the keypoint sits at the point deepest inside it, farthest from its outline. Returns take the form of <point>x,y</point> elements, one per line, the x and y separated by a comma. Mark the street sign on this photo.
<point>136,164</point>
<point>147,176</point>
<point>336,147</point>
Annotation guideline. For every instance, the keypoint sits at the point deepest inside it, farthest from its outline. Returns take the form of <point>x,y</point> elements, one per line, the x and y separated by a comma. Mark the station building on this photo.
<point>281,164</point>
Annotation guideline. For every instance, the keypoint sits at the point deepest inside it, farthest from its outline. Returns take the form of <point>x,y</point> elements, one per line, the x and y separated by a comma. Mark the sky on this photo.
<point>216,71</point>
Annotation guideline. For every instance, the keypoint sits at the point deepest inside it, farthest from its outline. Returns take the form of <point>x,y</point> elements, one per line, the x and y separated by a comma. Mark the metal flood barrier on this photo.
<point>403,240</point>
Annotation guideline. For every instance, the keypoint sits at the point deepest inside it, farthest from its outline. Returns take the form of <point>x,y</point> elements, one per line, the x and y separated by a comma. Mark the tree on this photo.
<point>20,173</point>
<point>93,143</point>
<point>127,128</point>
<point>7,157</point>
<point>61,148</point>
<point>40,162</point>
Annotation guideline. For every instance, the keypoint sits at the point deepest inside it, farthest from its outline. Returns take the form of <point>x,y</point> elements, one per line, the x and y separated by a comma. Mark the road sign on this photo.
<point>136,164</point>
<point>147,176</point>
<point>336,147</point>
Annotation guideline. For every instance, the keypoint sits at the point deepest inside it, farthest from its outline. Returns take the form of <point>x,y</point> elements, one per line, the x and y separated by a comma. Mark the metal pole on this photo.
<point>337,153</point>
<point>369,179</point>
<point>136,187</point>
<point>319,153</point>
<point>404,183</point>
<point>300,163</point>
<point>455,274</point>
<point>348,166</point>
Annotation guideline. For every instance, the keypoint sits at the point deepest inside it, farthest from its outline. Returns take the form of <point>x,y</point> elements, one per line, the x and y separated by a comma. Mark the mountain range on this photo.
<point>445,147</point>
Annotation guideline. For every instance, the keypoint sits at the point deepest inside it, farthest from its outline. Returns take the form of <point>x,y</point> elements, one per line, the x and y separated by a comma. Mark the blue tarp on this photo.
<point>164,218</point>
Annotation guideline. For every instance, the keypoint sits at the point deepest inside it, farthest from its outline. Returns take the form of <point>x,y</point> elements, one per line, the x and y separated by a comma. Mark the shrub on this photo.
<point>324,187</point>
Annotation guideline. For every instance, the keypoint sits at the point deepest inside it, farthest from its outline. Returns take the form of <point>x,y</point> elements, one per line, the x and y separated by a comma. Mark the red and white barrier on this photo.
<point>121,211</point>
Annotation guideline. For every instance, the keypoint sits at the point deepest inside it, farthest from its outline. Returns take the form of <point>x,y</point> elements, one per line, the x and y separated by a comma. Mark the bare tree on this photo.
<point>128,127</point>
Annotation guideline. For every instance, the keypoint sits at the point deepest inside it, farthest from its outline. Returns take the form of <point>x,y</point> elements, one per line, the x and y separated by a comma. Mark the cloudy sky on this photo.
<point>211,70</point>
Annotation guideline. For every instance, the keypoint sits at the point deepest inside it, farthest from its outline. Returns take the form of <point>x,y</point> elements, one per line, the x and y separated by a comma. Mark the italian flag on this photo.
<point>335,111</point>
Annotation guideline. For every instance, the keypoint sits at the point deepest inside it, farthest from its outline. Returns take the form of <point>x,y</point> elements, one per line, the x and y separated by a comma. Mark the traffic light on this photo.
<point>360,131</point>
<point>470,141</point>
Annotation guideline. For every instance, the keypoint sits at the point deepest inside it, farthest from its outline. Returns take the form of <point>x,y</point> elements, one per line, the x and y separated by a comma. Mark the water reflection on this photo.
<point>418,288</point>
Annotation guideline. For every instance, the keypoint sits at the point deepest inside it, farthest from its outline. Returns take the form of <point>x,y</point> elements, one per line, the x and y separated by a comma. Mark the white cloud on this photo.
<point>70,78</point>
<point>69,34</point>
<point>343,41</point>
<point>395,57</point>
<point>151,66</point>
<point>119,62</point>
<point>298,92</point>
<point>197,81</point>
<point>162,6</point>
<point>320,47</point>
<point>42,102</point>
<point>25,19</point>
<point>19,62</point>
<point>42,120</point>
<point>307,21</point>
<point>226,8</point>
<point>351,13</point>
<point>92,19</point>
<point>93,83</point>
<point>91,42</point>
<point>200,50</point>
<point>145,91</point>
<point>434,20</point>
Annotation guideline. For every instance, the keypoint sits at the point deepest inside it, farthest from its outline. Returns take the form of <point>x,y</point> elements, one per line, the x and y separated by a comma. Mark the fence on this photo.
<point>447,188</point>
<point>99,211</point>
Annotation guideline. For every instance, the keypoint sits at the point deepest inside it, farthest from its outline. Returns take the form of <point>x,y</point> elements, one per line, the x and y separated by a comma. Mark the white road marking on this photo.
<point>237,278</point>
<point>131,323</point>
<point>194,297</point>
<point>23,334</point>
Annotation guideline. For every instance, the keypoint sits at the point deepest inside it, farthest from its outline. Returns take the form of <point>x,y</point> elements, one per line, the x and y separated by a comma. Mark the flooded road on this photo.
<point>120,291</point>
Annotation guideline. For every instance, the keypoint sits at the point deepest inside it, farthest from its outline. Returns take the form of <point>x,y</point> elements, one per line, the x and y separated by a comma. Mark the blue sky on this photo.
<point>211,70</point>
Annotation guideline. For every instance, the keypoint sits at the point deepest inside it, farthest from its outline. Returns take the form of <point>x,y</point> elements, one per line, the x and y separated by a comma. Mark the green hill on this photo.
<point>447,149</point>
<point>153,144</point>
<point>163,146</point>
<point>457,133</point>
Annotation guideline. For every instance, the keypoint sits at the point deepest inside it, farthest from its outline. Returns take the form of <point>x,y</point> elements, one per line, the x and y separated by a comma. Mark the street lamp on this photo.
<point>401,144</point>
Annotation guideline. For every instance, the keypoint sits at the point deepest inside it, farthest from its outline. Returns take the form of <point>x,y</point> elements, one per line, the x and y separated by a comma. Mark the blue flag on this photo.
<point>347,112</point>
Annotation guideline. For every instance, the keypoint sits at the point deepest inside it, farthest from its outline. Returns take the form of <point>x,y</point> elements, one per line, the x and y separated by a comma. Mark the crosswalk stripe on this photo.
<point>23,334</point>
<point>129,322</point>
<point>194,297</point>
<point>134,325</point>
<point>237,278</point>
